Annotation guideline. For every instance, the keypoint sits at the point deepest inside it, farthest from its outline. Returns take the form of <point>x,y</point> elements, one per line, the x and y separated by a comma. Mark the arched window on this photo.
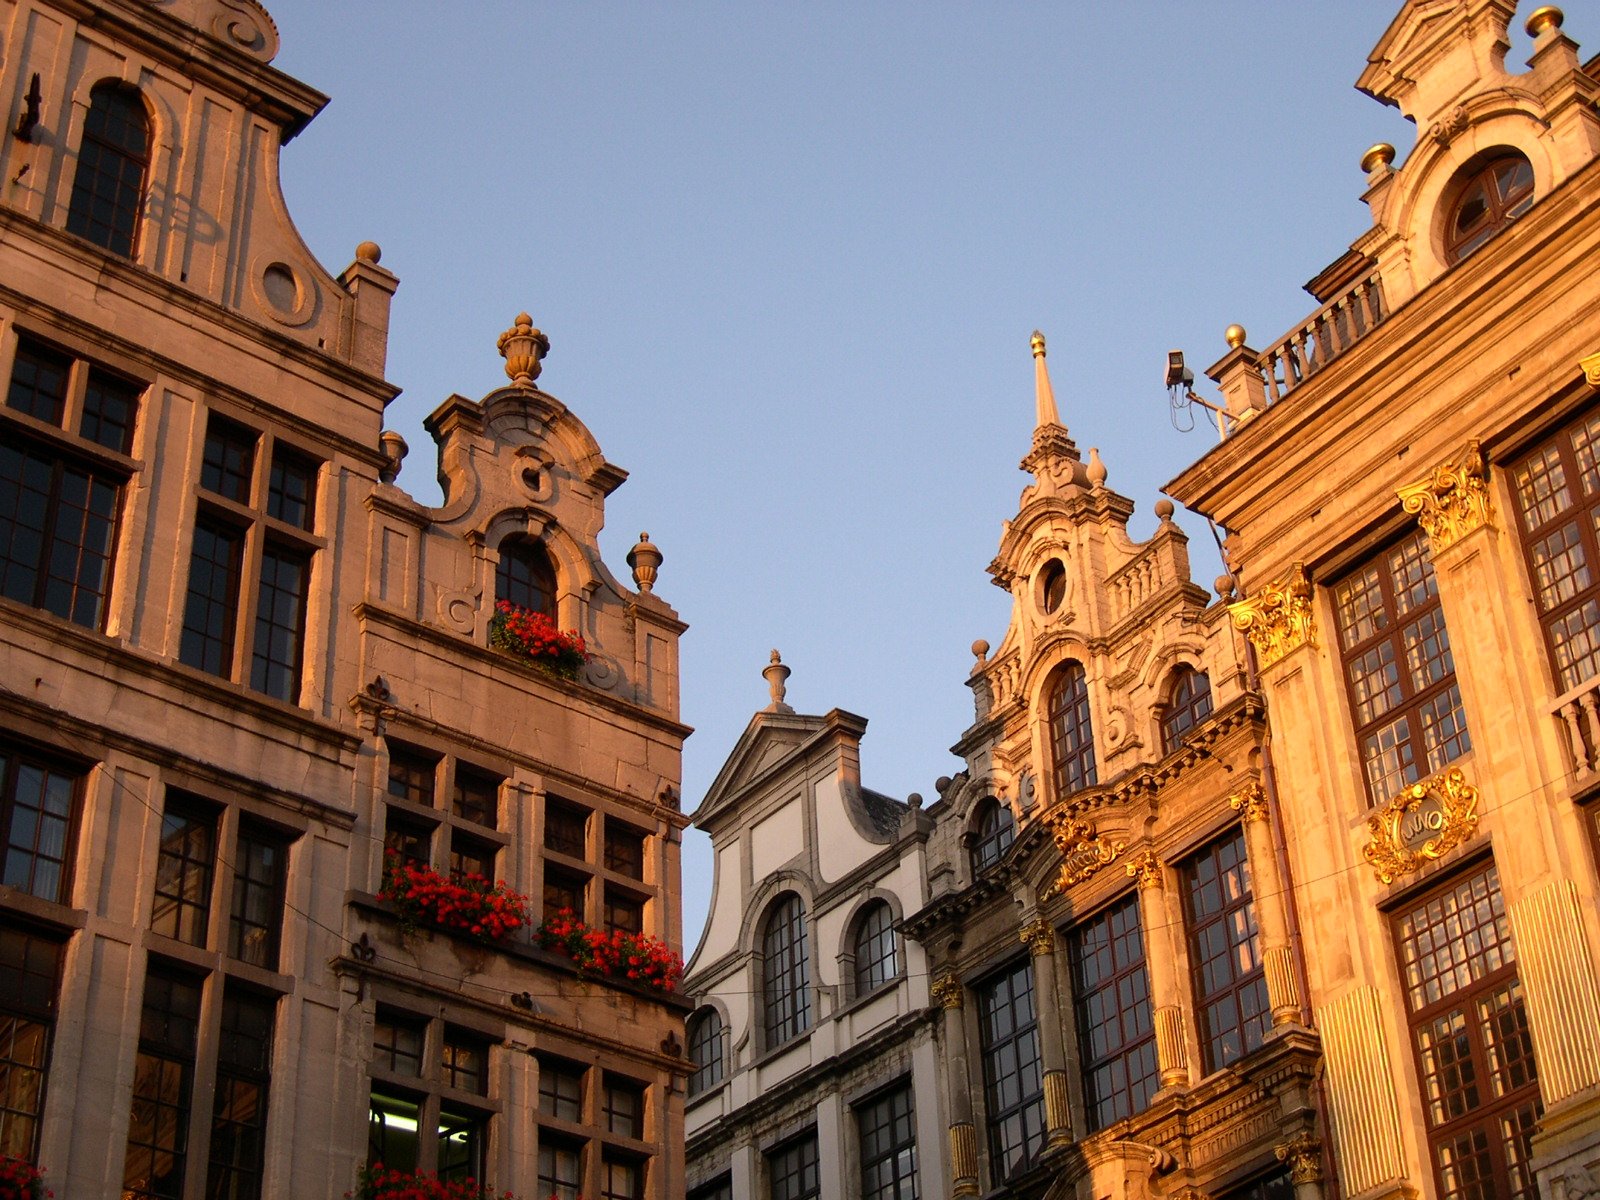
<point>705,1051</point>
<point>1071,731</point>
<point>113,168</point>
<point>525,576</point>
<point>1188,703</point>
<point>876,955</point>
<point>992,835</point>
<point>785,973</point>
<point>1488,199</point>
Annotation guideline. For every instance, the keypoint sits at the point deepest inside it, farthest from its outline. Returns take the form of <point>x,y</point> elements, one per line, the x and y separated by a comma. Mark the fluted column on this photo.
<point>1166,990</point>
<point>948,994</point>
<point>1040,939</point>
<point>1270,899</point>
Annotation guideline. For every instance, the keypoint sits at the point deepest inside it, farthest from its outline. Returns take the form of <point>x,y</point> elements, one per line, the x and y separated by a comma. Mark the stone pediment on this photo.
<point>1434,51</point>
<point>770,739</point>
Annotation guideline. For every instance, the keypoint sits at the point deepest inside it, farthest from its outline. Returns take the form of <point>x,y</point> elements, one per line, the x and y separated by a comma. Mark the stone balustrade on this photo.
<point>1321,338</point>
<point>1579,715</point>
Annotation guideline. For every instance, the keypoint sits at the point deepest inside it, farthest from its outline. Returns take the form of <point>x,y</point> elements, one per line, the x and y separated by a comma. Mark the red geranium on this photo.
<point>471,905</point>
<point>623,955</point>
<point>379,1182</point>
<point>21,1180</point>
<point>529,634</point>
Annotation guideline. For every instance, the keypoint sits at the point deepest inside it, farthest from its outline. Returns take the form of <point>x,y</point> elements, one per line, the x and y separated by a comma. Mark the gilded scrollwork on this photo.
<point>1250,802</point>
<point>1146,868</point>
<point>1424,822</point>
<point>1454,498</point>
<point>1303,1154</point>
<point>1038,936</point>
<point>1591,368</point>
<point>1083,851</point>
<point>1278,618</point>
<point>946,991</point>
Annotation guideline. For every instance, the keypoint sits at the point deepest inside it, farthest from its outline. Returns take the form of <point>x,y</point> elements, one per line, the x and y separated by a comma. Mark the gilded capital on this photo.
<point>1591,368</point>
<point>1250,801</point>
<point>1278,618</point>
<point>1146,868</point>
<point>1454,498</point>
<point>1303,1153</point>
<point>1038,937</point>
<point>947,991</point>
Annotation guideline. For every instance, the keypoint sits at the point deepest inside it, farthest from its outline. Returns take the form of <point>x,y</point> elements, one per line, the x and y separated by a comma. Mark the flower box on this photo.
<point>633,956</point>
<point>21,1180</point>
<point>531,636</point>
<point>472,906</point>
<point>379,1182</point>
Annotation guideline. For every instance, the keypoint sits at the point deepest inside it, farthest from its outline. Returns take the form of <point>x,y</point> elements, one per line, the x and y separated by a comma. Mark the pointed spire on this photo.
<point>1044,397</point>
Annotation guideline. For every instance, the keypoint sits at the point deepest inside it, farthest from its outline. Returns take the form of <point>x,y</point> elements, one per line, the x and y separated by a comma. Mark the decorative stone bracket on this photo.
<point>1083,852</point>
<point>1278,619</point>
<point>1424,822</point>
<point>1591,368</point>
<point>1453,500</point>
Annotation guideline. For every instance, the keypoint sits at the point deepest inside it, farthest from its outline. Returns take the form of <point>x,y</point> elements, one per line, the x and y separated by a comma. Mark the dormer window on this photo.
<point>1492,196</point>
<point>993,833</point>
<point>525,576</point>
<point>113,169</point>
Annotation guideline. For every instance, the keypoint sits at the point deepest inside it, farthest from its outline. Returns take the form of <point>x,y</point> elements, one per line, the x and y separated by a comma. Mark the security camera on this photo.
<point>1178,375</point>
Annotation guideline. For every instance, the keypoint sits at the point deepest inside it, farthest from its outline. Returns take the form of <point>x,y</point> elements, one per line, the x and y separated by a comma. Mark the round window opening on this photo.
<point>1052,585</point>
<point>1490,197</point>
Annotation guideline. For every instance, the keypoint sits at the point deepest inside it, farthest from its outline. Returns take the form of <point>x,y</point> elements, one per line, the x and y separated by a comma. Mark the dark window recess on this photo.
<point>1229,982</point>
<point>183,871</point>
<point>470,856</point>
<point>621,1177</point>
<point>38,812</point>
<point>211,610</point>
<point>1469,1032</point>
<point>397,1044</point>
<point>1013,1073</point>
<point>705,1051</point>
<point>291,488</point>
<point>110,405</point>
<point>39,378</point>
<point>785,972</point>
<point>564,892</point>
<point>718,1189</point>
<point>1072,763</point>
<point>561,1089</point>
<point>792,1170</point>
<point>255,920</point>
<point>411,775</point>
<point>408,838</point>
<point>228,463</point>
<point>886,1131</point>
<point>108,186</point>
<point>163,1075</point>
<point>1398,668</point>
<point>875,949</point>
<point>525,576</point>
<point>476,797</point>
<point>1495,195</point>
<point>560,1167</point>
<point>623,1107</point>
<point>394,1124</point>
<point>624,911</point>
<point>1188,704</point>
<point>1116,1037</point>
<point>239,1111</point>
<point>461,1142</point>
<point>624,849</point>
<point>466,1063</point>
<point>279,647</point>
<point>993,835</point>
<point>30,971</point>
<point>566,829</point>
<point>1276,1186</point>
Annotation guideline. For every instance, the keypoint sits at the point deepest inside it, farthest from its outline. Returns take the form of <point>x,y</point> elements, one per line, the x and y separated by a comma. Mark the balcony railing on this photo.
<point>1578,713</point>
<point>1324,336</point>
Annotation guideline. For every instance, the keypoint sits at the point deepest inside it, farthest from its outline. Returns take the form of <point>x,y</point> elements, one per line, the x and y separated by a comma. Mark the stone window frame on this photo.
<point>74,436</point>
<point>996,1051</point>
<point>431,1087</point>
<point>261,542</point>
<point>1229,995</point>
<point>1384,568</point>
<point>533,557</point>
<point>1502,206</point>
<point>707,1076</point>
<point>109,98</point>
<point>894,1187</point>
<point>857,968</point>
<point>788,1164</point>
<point>1488,972</point>
<point>1069,724</point>
<point>433,812</point>
<point>589,1135</point>
<point>31,1016</point>
<point>993,830</point>
<point>787,1007</point>
<point>1104,1107</point>
<point>1187,703</point>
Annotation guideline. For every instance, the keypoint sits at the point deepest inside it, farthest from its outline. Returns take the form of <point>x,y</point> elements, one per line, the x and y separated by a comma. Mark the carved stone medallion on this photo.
<point>1424,822</point>
<point>1083,852</point>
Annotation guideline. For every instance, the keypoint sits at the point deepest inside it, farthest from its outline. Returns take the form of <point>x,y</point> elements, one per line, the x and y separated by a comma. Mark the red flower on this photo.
<point>533,636</point>
<point>471,906</point>
<point>634,956</point>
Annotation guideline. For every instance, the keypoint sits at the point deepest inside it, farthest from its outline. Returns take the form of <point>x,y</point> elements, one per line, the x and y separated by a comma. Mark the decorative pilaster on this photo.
<point>1278,619</point>
<point>1303,1154</point>
<point>1166,991</point>
<point>1270,900</point>
<point>1040,939</point>
<point>1558,975</point>
<point>1453,500</point>
<point>948,994</point>
<point>1360,1077</point>
<point>963,1159</point>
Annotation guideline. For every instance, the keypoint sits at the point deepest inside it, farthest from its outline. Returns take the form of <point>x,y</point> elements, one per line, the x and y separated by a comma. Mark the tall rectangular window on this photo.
<point>886,1130</point>
<point>38,812</point>
<point>1230,983</point>
<point>255,918</point>
<point>61,498</point>
<point>30,973</point>
<point>792,1169</point>
<point>428,1109</point>
<point>1557,492</point>
<point>1013,1072</point>
<point>1398,668</point>
<point>250,564</point>
<point>183,871</point>
<point>1469,1032</point>
<point>1116,1036</point>
<point>239,1111</point>
<point>163,1077</point>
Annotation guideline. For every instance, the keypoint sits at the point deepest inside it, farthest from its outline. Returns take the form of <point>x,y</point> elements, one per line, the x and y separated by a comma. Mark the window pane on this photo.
<point>1188,704</point>
<point>525,576</point>
<point>624,849</point>
<point>1116,1036</point>
<point>875,949</point>
<point>705,1051</point>
<point>183,872</point>
<point>256,917</point>
<point>392,1134</point>
<point>466,1063</point>
<point>39,381</point>
<point>1071,731</point>
<point>792,1170</point>
<point>229,460</point>
<point>109,405</point>
<point>397,1044</point>
<point>163,1074</point>
<point>57,526</point>
<point>1229,981</point>
<point>113,158</point>
<point>30,966</point>
<point>291,488</point>
<point>624,1107</point>
<point>886,1131</point>
<point>561,1089</point>
<point>786,980</point>
<point>38,811</point>
<point>477,797</point>
<point>461,1145</point>
<point>566,829</point>
<point>213,600</point>
<point>560,1168</point>
<point>239,1113</point>
<point>995,833</point>
<point>624,911</point>
<point>1012,1069</point>
<point>279,647</point>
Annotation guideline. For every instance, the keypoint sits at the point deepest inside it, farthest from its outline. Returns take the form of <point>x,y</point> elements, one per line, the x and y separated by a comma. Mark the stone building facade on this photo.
<point>1409,493</point>
<point>238,665</point>
<point>816,1065</point>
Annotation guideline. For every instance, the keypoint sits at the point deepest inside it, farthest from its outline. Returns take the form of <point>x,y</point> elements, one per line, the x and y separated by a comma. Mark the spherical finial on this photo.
<point>369,252</point>
<point>645,560</point>
<point>1164,510</point>
<point>1037,342</point>
<point>942,784</point>
<point>914,800</point>
<point>1224,586</point>
<point>1546,17</point>
<point>523,347</point>
<point>1378,156</point>
<point>980,648</point>
<point>1234,335</point>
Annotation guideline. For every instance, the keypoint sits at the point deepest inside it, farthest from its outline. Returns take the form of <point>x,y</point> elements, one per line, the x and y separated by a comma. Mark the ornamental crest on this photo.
<point>1278,618</point>
<point>1453,500</point>
<point>1083,852</point>
<point>1424,822</point>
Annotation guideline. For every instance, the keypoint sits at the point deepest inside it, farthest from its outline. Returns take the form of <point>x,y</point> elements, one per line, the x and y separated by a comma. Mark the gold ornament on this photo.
<point>1303,1153</point>
<point>946,991</point>
<point>1083,852</point>
<point>1278,618</point>
<point>1146,868</point>
<point>1250,801</point>
<point>1453,500</point>
<point>1424,822</point>
<point>1038,937</point>
<point>1591,369</point>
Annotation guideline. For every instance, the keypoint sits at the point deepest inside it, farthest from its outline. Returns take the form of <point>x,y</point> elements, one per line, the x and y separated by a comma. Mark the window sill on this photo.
<point>47,912</point>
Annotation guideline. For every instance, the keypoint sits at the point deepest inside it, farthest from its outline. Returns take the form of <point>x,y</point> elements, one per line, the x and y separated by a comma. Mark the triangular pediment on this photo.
<point>770,739</point>
<point>1433,50</point>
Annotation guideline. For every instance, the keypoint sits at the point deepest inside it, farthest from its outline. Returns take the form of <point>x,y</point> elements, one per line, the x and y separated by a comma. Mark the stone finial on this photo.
<point>914,800</point>
<point>394,453</point>
<point>777,676</point>
<point>523,347</point>
<point>369,252</point>
<point>1096,470</point>
<point>1234,335</point>
<point>645,560</point>
<point>1164,509</point>
<point>1044,396</point>
<point>1037,342</point>
<point>980,648</point>
<point>1225,586</point>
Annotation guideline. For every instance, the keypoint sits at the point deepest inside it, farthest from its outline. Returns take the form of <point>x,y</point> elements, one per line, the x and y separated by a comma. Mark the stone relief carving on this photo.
<point>1278,619</point>
<point>1083,852</point>
<point>1449,128</point>
<point>1250,802</point>
<point>1453,500</point>
<point>1303,1154</point>
<point>459,609</point>
<point>1424,822</point>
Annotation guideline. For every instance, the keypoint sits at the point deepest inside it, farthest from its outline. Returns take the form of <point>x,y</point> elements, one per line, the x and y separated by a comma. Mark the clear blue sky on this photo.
<point>789,257</point>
